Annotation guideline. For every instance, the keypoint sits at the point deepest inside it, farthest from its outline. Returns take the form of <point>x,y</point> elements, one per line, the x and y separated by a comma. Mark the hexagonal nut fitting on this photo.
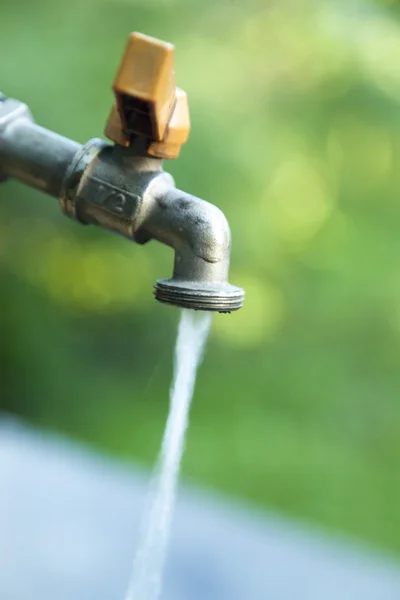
<point>108,187</point>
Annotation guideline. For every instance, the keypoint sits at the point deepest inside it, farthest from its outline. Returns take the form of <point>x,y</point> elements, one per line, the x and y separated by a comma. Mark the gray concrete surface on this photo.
<point>69,517</point>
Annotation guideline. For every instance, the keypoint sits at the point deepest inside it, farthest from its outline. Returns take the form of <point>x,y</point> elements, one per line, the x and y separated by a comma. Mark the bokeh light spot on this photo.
<point>299,200</point>
<point>94,276</point>
<point>379,46</point>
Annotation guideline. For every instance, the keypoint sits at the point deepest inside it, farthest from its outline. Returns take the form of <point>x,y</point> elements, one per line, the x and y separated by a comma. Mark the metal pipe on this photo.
<point>32,154</point>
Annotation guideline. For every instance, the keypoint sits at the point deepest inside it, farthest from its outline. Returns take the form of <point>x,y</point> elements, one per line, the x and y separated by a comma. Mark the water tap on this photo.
<point>122,186</point>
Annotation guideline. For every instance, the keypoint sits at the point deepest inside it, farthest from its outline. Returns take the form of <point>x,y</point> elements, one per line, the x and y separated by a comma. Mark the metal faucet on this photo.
<point>122,187</point>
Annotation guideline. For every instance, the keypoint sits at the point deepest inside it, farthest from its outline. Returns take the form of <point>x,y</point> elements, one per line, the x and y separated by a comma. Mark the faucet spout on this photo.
<point>200,235</point>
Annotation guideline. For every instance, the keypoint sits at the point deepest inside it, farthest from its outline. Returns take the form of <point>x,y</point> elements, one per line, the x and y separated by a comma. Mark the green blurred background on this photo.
<point>296,136</point>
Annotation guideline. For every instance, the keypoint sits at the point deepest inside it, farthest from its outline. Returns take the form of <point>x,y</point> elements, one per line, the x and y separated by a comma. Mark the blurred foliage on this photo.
<point>296,136</point>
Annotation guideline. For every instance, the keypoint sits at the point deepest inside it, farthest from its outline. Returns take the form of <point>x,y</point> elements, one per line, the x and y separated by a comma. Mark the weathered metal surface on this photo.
<point>30,153</point>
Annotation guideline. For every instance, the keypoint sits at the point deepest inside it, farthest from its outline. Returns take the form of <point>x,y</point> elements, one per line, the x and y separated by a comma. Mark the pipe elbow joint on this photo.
<point>200,235</point>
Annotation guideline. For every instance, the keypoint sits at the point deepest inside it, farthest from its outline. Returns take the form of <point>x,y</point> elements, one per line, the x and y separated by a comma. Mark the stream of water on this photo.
<point>146,582</point>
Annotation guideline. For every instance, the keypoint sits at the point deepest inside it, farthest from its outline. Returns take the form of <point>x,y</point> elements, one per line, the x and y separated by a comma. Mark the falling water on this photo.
<point>150,555</point>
